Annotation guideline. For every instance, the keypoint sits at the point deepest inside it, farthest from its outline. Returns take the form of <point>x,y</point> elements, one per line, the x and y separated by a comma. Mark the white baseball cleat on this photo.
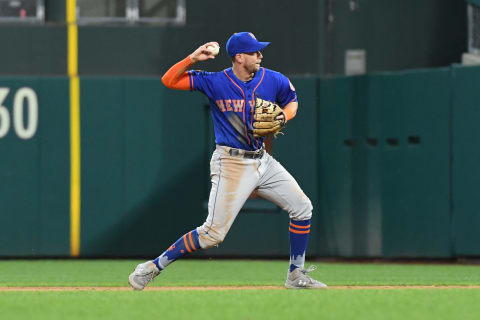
<point>142,275</point>
<point>298,279</point>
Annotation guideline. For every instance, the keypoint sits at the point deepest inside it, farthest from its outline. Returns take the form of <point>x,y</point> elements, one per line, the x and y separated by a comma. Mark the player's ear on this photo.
<point>238,58</point>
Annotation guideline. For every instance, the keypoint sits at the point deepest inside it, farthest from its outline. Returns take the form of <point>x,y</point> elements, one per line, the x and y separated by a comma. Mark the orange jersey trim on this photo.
<point>253,98</point>
<point>298,232</point>
<point>261,79</point>
<point>299,227</point>
<point>244,99</point>
<point>177,76</point>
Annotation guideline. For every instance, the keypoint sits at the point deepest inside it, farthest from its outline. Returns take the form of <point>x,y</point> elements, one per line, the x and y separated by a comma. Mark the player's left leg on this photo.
<point>278,186</point>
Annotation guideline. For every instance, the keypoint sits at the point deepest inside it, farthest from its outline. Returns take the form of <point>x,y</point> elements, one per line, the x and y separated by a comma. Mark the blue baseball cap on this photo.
<point>244,42</point>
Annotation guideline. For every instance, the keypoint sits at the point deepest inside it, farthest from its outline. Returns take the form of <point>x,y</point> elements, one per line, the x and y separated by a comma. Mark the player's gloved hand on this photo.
<point>269,119</point>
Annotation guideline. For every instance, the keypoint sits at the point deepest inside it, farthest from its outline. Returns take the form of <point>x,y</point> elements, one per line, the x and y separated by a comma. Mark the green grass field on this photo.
<point>334,303</point>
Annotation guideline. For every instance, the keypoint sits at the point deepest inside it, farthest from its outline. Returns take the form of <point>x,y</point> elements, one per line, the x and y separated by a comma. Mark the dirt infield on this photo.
<point>225,288</point>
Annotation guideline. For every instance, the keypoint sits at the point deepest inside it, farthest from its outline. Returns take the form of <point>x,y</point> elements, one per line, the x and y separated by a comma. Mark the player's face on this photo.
<point>252,61</point>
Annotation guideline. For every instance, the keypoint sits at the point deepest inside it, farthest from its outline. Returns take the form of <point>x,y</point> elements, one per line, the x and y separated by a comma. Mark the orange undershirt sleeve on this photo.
<point>177,76</point>
<point>289,114</point>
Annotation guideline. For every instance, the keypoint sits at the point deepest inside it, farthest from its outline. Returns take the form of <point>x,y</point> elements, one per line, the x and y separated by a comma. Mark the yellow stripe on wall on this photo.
<point>74,166</point>
<point>72,50</point>
<point>71,11</point>
<point>75,185</point>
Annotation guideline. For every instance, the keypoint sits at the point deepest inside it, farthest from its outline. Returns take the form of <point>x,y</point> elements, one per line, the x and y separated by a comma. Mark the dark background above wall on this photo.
<point>396,35</point>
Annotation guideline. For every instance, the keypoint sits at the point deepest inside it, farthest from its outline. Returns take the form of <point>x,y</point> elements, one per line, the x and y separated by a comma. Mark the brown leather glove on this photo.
<point>266,121</point>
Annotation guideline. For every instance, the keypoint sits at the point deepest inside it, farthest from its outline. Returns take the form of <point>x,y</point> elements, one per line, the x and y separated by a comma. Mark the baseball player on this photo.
<point>247,103</point>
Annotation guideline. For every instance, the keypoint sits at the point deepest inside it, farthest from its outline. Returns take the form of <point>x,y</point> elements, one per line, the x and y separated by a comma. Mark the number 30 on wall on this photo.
<point>23,131</point>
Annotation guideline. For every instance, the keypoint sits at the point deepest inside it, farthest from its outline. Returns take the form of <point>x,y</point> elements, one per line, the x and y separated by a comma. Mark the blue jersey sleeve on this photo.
<point>285,91</point>
<point>201,81</point>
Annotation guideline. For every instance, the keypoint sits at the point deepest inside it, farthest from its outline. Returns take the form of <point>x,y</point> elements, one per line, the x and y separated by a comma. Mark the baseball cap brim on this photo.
<point>258,47</point>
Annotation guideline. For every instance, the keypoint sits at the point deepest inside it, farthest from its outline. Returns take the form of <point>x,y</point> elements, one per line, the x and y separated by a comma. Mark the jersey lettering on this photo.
<point>228,104</point>
<point>235,105</point>
<point>221,105</point>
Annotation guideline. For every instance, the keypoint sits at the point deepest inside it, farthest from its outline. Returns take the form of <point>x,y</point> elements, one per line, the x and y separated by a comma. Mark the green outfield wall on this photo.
<point>385,165</point>
<point>34,167</point>
<point>389,161</point>
<point>466,159</point>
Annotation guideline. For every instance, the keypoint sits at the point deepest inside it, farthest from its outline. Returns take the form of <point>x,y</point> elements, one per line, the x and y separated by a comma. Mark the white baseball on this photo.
<point>213,49</point>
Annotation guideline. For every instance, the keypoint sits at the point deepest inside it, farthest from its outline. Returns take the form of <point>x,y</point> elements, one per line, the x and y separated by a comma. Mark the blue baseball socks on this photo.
<point>299,231</point>
<point>186,244</point>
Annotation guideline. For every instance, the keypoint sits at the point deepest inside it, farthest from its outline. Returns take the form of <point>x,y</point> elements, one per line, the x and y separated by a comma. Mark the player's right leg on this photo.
<point>147,271</point>
<point>233,180</point>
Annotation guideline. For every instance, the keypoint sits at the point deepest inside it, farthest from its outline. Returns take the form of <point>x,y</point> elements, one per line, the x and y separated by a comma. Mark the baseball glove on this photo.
<point>265,116</point>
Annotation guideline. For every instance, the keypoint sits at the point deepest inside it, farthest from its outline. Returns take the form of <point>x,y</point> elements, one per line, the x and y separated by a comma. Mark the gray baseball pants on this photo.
<point>234,179</point>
